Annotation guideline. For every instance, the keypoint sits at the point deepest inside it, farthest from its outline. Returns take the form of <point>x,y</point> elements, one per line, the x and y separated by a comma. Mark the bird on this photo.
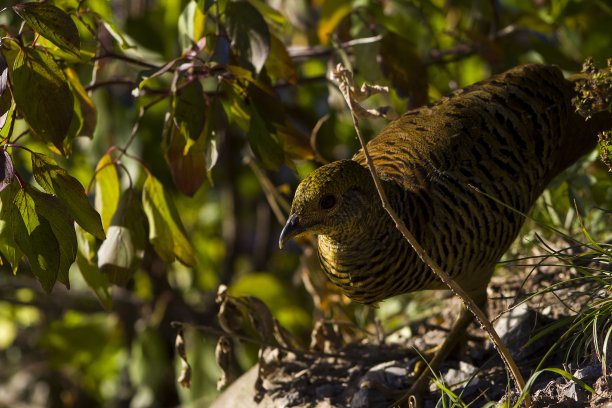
<point>460,173</point>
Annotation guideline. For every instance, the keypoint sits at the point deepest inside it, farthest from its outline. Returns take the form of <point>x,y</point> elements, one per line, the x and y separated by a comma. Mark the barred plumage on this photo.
<point>443,168</point>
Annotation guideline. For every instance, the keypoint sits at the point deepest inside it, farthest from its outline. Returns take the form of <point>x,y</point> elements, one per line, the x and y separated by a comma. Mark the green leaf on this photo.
<point>50,208</point>
<point>32,234</point>
<point>189,109</point>
<point>279,64</point>
<point>117,255</point>
<point>8,246</point>
<point>166,231</point>
<point>121,252</point>
<point>107,189</point>
<point>55,180</point>
<point>84,116</point>
<point>190,25</point>
<point>52,23</point>
<point>249,34</point>
<point>264,143</point>
<point>89,112</point>
<point>214,131</point>
<point>97,282</point>
<point>42,95</point>
<point>332,13</point>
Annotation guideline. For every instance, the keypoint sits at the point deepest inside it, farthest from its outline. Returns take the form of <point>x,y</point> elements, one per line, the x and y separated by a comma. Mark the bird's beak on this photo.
<point>291,229</point>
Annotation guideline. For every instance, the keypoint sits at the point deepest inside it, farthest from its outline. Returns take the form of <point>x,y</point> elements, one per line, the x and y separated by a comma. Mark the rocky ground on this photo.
<point>373,374</point>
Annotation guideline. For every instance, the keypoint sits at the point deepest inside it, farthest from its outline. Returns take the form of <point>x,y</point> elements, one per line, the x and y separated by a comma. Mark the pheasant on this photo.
<point>459,173</point>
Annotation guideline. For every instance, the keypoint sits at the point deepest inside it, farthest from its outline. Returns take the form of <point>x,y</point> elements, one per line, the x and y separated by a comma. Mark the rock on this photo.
<point>589,372</point>
<point>376,385</point>
<point>241,393</point>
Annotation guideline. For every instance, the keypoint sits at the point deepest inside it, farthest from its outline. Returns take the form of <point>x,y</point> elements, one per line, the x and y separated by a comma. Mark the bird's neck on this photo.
<point>356,257</point>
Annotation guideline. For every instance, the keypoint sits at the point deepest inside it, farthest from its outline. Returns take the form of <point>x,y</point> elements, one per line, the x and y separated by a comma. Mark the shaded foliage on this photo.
<point>149,148</point>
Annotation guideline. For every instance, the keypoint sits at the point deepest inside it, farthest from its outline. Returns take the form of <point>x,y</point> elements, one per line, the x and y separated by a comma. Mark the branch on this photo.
<point>345,79</point>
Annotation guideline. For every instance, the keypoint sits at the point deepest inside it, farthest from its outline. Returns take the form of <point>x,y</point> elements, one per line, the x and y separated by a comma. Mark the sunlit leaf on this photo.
<point>97,281</point>
<point>52,23</point>
<point>249,33</point>
<point>42,95</point>
<point>185,25</point>
<point>6,120</point>
<point>8,246</point>
<point>279,64</point>
<point>120,254</point>
<point>89,112</point>
<point>116,256</point>
<point>51,209</point>
<point>75,126</point>
<point>166,231</point>
<point>55,180</point>
<point>204,5</point>
<point>269,13</point>
<point>332,13</point>
<point>116,33</point>
<point>107,189</point>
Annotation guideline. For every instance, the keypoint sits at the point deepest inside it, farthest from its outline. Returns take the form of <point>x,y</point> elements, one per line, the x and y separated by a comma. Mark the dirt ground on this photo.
<point>373,374</point>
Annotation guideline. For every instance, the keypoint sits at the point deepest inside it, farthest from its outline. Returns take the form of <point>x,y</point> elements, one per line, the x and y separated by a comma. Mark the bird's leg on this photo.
<point>418,388</point>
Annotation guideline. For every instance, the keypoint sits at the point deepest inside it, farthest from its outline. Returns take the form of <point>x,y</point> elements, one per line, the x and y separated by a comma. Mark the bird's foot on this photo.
<point>413,398</point>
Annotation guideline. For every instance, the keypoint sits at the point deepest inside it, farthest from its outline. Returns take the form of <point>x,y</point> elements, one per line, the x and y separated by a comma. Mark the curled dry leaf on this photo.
<point>261,317</point>
<point>223,355</point>
<point>353,95</point>
<point>185,377</point>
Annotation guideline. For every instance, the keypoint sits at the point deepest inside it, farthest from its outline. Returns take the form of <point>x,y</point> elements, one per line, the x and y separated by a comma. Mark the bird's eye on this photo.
<point>327,202</point>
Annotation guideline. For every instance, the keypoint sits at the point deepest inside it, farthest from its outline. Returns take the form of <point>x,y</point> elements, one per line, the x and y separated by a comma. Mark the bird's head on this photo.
<point>331,199</point>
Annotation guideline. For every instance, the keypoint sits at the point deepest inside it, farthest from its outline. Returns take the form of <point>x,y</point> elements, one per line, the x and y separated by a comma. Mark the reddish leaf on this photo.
<point>188,167</point>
